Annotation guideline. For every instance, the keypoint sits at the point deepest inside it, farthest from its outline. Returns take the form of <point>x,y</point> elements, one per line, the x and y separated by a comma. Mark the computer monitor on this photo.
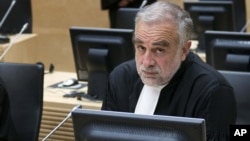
<point>97,51</point>
<point>227,50</point>
<point>215,15</point>
<point>96,125</point>
<point>125,18</point>
<point>20,14</point>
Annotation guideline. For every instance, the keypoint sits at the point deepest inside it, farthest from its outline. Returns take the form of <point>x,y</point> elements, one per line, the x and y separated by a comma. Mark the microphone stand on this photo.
<point>14,40</point>
<point>61,123</point>
<point>3,38</point>
<point>144,2</point>
<point>7,12</point>
<point>245,26</point>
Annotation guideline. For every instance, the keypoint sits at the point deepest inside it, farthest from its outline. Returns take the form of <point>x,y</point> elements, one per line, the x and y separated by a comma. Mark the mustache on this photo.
<point>149,69</point>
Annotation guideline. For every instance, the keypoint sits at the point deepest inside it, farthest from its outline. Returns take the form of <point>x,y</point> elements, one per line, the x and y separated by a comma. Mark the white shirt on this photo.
<point>148,99</point>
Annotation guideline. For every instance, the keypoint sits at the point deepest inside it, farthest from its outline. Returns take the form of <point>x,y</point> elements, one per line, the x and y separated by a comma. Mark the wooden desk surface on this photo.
<point>55,95</point>
<point>21,38</point>
<point>18,47</point>
<point>56,107</point>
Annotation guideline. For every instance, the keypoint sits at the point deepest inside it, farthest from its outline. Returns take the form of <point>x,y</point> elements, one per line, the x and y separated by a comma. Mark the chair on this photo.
<point>20,14</point>
<point>227,50</point>
<point>125,18</point>
<point>24,86</point>
<point>240,83</point>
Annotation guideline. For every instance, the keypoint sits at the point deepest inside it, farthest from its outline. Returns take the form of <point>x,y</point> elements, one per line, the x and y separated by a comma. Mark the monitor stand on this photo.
<point>97,76</point>
<point>98,72</point>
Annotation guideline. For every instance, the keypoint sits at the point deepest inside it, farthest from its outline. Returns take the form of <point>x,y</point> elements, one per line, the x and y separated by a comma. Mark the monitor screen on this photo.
<point>19,14</point>
<point>125,18</point>
<point>97,51</point>
<point>96,125</point>
<point>227,50</point>
<point>215,15</point>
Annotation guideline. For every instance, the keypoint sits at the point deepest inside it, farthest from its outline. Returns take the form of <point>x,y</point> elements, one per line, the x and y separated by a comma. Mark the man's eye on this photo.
<point>141,48</point>
<point>160,51</point>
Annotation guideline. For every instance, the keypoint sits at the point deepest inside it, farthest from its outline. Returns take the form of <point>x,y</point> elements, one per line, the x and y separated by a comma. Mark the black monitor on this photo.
<point>216,15</point>
<point>125,18</point>
<point>227,50</point>
<point>97,51</point>
<point>20,14</point>
<point>96,125</point>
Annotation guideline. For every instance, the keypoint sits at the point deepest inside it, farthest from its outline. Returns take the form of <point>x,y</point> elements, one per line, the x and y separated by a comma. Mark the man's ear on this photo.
<point>185,49</point>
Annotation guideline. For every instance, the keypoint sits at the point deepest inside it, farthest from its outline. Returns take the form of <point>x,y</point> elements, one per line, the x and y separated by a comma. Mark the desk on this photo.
<point>21,44</point>
<point>55,95</point>
<point>56,107</point>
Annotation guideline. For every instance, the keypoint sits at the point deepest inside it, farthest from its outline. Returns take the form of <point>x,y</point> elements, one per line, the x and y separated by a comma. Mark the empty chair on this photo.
<point>240,83</point>
<point>21,101</point>
<point>19,14</point>
<point>125,18</point>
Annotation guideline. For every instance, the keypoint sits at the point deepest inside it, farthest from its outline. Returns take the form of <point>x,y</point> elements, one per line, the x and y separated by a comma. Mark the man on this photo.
<point>166,78</point>
<point>113,5</point>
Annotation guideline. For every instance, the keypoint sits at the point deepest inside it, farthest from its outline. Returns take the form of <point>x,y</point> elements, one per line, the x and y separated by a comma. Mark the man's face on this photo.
<point>156,52</point>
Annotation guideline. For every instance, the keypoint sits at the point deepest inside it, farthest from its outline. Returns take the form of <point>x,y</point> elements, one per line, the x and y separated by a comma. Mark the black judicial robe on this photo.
<point>196,90</point>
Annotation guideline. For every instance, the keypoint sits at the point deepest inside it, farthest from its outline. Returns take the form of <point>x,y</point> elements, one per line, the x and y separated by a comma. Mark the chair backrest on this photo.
<point>24,86</point>
<point>20,14</point>
<point>240,81</point>
<point>125,18</point>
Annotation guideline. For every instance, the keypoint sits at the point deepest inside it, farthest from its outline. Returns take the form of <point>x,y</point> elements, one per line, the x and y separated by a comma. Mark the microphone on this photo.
<point>14,40</point>
<point>61,123</point>
<point>144,2</point>
<point>5,39</point>
<point>7,12</point>
<point>245,26</point>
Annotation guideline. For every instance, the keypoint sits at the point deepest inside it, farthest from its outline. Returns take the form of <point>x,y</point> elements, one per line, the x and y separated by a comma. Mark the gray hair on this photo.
<point>163,11</point>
